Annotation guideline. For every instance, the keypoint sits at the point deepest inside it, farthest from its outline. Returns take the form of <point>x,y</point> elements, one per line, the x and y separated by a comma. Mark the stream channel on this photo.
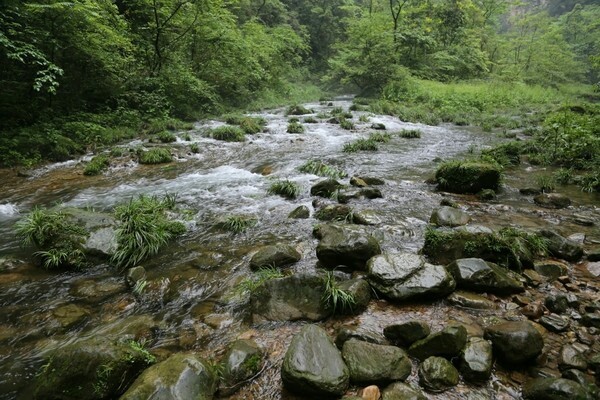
<point>191,281</point>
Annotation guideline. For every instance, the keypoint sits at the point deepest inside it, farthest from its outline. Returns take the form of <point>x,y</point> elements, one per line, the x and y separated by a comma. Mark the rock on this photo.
<point>374,363</point>
<point>242,361</point>
<point>370,393</point>
<point>367,217</point>
<point>402,391</point>
<point>73,370</point>
<point>406,333</point>
<point>515,342</point>
<point>334,212</point>
<point>591,319</point>
<point>583,220</point>
<point>571,357</point>
<point>69,315</point>
<point>349,245</point>
<point>530,191</point>
<point>554,389</point>
<point>552,200</point>
<point>181,376</point>
<point>576,375</point>
<point>101,242</point>
<point>481,276</point>
<point>301,212</point>
<point>578,238</point>
<point>554,323</point>
<point>135,275</point>
<point>594,255</point>
<point>467,177</point>
<point>593,268</point>
<point>370,180</point>
<point>361,293</point>
<point>486,195</point>
<point>371,193</point>
<point>550,269</point>
<point>533,277</point>
<point>96,291</point>
<point>470,300</point>
<point>533,310</point>
<point>561,247</point>
<point>358,182</point>
<point>446,343</point>
<point>313,366</point>
<point>345,333</point>
<point>437,374</point>
<point>345,195</point>
<point>325,188</point>
<point>378,126</point>
<point>556,303</point>
<point>449,216</point>
<point>275,256</point>
<point>476,360</point>
<point>408,276</point>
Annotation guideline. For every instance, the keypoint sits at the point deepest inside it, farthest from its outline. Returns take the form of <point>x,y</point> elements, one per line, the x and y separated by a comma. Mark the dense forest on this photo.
<point>81,74</point>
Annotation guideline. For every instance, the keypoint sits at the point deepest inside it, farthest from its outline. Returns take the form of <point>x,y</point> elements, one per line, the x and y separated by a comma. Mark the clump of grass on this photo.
<point>97,165</point>
<point>322,115</point>
<point>319,168</point>
<point>360,145</point>
<point>195,148</point>
<point>233,119</point>
<point>228,134</point>
<point>166,137</point>
<point>310,120</point>
<point>380,137</point>
<point>117,152</point>
<point>295,127</point>
<point>410,133</point>
<point>563,176</point>
<point>335,297</point>
<point>238,223</point>
<point>297,110</point>
<point>363,118</point>
<point>336,111</point>
<point>187,137</point>
<point>345,124</point>
<point>257,280</point>
<point>157,155</point>
<point>284,188</point>
<point>251,125</point>
<point>546,183</point>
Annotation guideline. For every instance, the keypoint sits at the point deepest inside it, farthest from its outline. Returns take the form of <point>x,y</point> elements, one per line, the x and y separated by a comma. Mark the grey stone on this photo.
<point>554,389</point>
<point>242,361</point>
<point>371,193</point>
<point>449,216</point>
<point>554,323</point>
<point>552,200</point>
<point>470,300</point>
<point>479,275</point>
<point>334,212</point>
<point>375,364</point>
<point>515,342</point>
<point>402,391</point>
<point>591,319</point>
<point>570,357</point>
<point>347,245</point>
<point>561,247</point>
<point>275,256</point>
<point>325,188</point>
<point>556,303</point>
<point>406,333</point>
<point>345,333</point>
<point>361,293</point>
<point>448,342</point>
<point>476,360</point>
<point>367,217</point>
<point>550,269</point>
<point>301,212</point>
<point>437,374</point>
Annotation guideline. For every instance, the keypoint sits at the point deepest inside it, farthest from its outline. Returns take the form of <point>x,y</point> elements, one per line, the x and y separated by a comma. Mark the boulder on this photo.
<point>476,360</point>
<point>346,245</point>
<point>370,180</point>
<point>470,300</point>
<point>378,126</point>
<point>371,193</point>
<point>301,212</point>
<point>449,216</point>
<point>448,342</point>
<point>345,195</point>
<point>102,242</point>
<point>180,377</point>
<point>367,217</point>
<point>554,389</point>
<point>515,342</point>
<point>361,293</point>
<point>373,363</point>
<point>481,276</point>
<point>572,357</point>
<point>402,391</point>
<point>334,212</point>
<point>326,188</point>
<point>556,303</point>
<point>347,332</point>
<point>552,200</point>
<point>407,276</point>
<point>550,269</point>
<point>242,361</point>
<point>561,247</point>
<point>275,256</point>
<point>467,177</point>
<point>406,333</point>
<point>313,366</point>
<point>295,297</point>
<point>358,182</point>
<point>437,374</point>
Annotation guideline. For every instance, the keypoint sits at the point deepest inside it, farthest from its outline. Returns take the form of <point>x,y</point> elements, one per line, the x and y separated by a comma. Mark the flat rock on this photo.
<point>481,276</point>
<point>449,216</point>
<point>402,391</point>
<point>373,363</point>
<point>554,389</point>
<point>593,268</point>
<point>554,323</point>
<point>347,332</point>
<point>406,333</point>
<point>571,357</point>
<point>448,342</point>
<point>470,300</point>
<point>346,245</point>
<point>552,200</point>
<point>561,247</point>
<point>275,256</point>
<point>550,269</point>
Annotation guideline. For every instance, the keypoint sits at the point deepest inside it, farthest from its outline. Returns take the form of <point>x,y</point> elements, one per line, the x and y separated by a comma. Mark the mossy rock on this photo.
<point>468,176</point>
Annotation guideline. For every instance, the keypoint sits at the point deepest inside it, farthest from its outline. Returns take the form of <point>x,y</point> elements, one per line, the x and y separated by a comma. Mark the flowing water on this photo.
<point>191,281</point>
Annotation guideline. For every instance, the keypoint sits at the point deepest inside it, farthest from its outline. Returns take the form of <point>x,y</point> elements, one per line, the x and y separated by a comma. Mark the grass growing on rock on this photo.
<point>297,110</point>
<point>256,280</point>
<point>334,297</point>
<point>284,188</point>
<point>295,127</point>
<point>410,133</point>
<point>227,134</point>
<point>238,223</point>
<point>319,168</point>
<point>380,137</point>
<point>98,164</point>
<point>155,156</point>
<point>345,124</point>
<point>360,145</point>
<point>166,137</point>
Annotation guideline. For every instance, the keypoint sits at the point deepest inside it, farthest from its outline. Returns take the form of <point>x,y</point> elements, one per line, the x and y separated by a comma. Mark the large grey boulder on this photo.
<point>102,229</point>
<point>402,391</point>
<point>313,366</point>
<point>476,360</point>
<point>242,361</point>
<point>449,216</point>
<point>554,389</point>
<point>295,297</point>
<point>347,245</point>
<point>515,342</point>
<point>437,374</point>
<point>561,247</point>
<point>481,276</point>
<point>448,342</point>
<point>406,333</point>
<point>276,256</point>
<point>370,363</point>
<point>408,276</point>
<point>180,377</point>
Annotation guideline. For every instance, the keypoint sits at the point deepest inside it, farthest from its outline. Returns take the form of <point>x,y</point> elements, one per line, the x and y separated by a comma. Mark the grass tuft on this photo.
<point>410,133</point>
<point>156,156</point>
<point>284,188</point>
<point>360,145</point>
<point>238,223</point>
<point>228,134</point>
<point>319,168</point>
<point>97,165</point>
<point>335,297</point>
<point>295,127</point>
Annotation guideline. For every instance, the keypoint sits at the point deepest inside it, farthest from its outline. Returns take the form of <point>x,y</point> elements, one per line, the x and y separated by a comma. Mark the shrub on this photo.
<point>410,133</point>
<point>295,127</point>
<point>319,168</point>
<point>360,145</point>
<point>155,156</point>
<point>228,134</point>
<point>96,165</point>
<point>284,188</point>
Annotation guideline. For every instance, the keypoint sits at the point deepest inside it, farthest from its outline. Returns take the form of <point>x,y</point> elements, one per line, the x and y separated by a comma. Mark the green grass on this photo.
<point>310,120</point>
<point>360,145</point>
<point>380,137</point>
<point>410,133</point>
<point>334,297</point>
<point>251,126</point>
<point>319,168</point>
<point>363,118</point>
<point>157,155</point>
<point>297,110</point>
<point>284,188</point>
<point>546,183</point>
<point>98,164</point>
<point>238,223</point>
<point>195,148</point>
<point>295,127</point>
<point>256,280</point>
<point>166,137</point>
<point>227,133</point>
<point>345,124</point>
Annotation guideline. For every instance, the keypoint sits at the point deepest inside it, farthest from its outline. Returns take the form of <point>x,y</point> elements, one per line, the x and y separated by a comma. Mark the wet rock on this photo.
<point>313,366</point>
<point>406,333</point>
<point>515,342</point>
<point>556,303</point>
<point>437,374</point>
<point>486,195</point>
<point>530,191</point>
<point>470,300</point>
<point>576,376</point>
<point>101,242</point>
<point>593,268</point>
<point>561,247</point>
<point>378,126</point>
<point>446,343</point>
<point>583,220</point>
<point>371,193</point>
<point>572,357</point>
<point>370,393</point>
<point>69,315</point>
<point>408,276</point>
<point>371,180</point>
<point>242,361</point>
<point>550,269</point>
<point>92,291</point>
<point>334,212</point>
<point>479,275</point>
<point>554,389</point>
<point>594,255</point>
<point>135,275</point>
<point>325,188</point>
<point>344,196</point>
<point>358,182</point>
<point>476,360</point>
<point>554,323</point>
<point>361,293</point>
<point>345,333</point>
<point>181,376</point>
<point>135,327</point>
<point>349,245</point>
<point>552,200</point>
<point>578,238</point>
<point>296,297</point>
<point>402,391</point>
<point>591,319</point>
<point>449,216</point>
<point>301,212</point>
<point>275,256</point>
<point>367,217</point>
<point>533,310</point>
<point>533,277</point>
<point>467,177</point>
<point>374,363</point>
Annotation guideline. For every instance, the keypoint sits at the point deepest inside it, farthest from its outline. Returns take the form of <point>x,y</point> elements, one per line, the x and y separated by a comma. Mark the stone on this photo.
<point>402,391</point>
<point>436,374</point>
<point>583,220</point>
<point>561,247</point>
<point>358,182</point>
<point>374,364</point>
<point>275,256</point>
<point>361,293</point>
<point>515,342</point>
<point>578,238</point>
<point>554,323</point>
<point>533,310</point>
<point>344,196</point>
<point>481,276</point>
<point>470,300</point>
<point>486,195</point>
<point>371,193</point>
<point>370,393</point>
<point>530,191</point>
<point>367,217</point>
<point>325,188</point>
<point>135,275</point>
<point>554,389</point>
<point>242,361</point>
<point>378,126</point>
<point>69,315</point>
<point>406,333</point>
<point>95,291</point>
<point>594,255</point>
<point>334,212</point>
<point>552,200</point>
<point>533,277</point>
<point>295,297</point>
<point>467,177</point>
<point>346,245</point>
<point>550,269</point>
<point>591,319</point>
<point>449,216</point>
<point>408,276</point>
<point>476,360</point>
<point>593,268</point>
<point>313,366</point>
<point>370,180</point>
<point>448,342</point>
<point>301,212</point>
<point>181,376</point>
<point>571,357</point>
<point>346,332</point>
<point>101,242</point>
<point>556,303</point>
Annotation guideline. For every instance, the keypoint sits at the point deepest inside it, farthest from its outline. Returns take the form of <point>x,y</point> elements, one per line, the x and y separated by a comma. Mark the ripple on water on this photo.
<point>8,210</point>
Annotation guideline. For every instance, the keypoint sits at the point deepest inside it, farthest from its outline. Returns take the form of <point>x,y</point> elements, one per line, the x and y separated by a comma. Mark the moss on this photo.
<point>468,176</point>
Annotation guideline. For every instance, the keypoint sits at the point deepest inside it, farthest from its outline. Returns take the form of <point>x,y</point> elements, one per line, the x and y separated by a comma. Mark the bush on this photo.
<point>155,156</point>
<point>295,127</point>
<point>228,134</point>
<point>360,145</point>
<point>285,188</point>
<point>319,168</point>
<point>96,165</point>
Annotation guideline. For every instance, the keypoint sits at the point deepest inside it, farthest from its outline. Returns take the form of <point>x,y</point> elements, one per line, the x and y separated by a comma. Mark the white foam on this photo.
<point>9,209</point>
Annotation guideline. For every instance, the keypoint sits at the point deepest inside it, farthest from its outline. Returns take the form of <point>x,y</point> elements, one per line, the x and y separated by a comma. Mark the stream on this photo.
<point>192,279</point>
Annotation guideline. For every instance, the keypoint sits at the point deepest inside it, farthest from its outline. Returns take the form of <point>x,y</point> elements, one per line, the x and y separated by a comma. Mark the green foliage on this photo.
<point>251,126</point>
<point>345,124</point>
<point>257,280</point>
<point>360,145</point>
<point>546,183</point>
<point>363,118</point>
<point>334,297</point>
<point>166,137</point>
<point>563,176</point>
<point>284,188</point>
<point>228,134</point>
<point>139,346</point>
<point>238,223</point>
<point>195,148</point>
<point>310,120</point>
<point>97,165</point>
<point>317,167</point>
<point>410,133</point>
<point>295,127</point>
<point>506,154</point>
<point>157,155</point>
<point>297,110</point>
<point>380,137</point>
